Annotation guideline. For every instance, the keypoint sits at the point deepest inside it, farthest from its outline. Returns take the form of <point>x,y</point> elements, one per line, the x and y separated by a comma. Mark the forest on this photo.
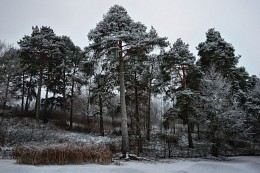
<point>151,97</point>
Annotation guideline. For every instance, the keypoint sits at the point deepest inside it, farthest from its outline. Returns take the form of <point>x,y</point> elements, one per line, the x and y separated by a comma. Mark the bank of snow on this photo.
<point>234,165</point>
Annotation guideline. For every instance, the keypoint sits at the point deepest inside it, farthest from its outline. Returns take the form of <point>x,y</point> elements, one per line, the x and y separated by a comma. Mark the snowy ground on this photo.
<point>234,165</point>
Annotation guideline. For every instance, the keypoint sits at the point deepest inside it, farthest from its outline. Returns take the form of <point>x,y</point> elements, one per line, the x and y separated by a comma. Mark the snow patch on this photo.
<point>234,165</point>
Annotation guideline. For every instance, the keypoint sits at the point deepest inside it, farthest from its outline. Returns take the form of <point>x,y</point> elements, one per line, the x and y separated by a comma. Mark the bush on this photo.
<point>60,154</point>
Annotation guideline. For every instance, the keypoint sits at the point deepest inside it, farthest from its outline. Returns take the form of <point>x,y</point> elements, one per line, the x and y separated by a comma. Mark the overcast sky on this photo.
<point>238,21</point>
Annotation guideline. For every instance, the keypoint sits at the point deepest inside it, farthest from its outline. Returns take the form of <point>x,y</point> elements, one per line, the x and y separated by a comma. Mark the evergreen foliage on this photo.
<point>120,76</point>
<point>224,119</point>
<point>118,35</point>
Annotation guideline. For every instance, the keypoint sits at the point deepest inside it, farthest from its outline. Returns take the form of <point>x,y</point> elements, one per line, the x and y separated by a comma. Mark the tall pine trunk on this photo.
<point>38,98</point>
<point>6,92</point>
<point>45,116</point>
<point>88,109</point>
<point>26,109</point>
<point>124,128</point>
<point>46,103</point>
<point>189,134</point>
<point>52,104</point>
<point>198,131</point>
<point>148,135</point>
<point>72,97</point>
<point>64,92</point>
<point>137,117</point>
<point>23,92</point>
<point>189,123</point>
<point>101,125</point>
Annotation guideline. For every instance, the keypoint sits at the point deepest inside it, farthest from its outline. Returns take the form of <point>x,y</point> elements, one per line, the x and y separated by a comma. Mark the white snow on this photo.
<point>234,165</point>
<point>86,138</point>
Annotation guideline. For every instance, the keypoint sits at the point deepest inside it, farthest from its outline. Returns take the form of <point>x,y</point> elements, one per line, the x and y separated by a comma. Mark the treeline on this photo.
<point>212,93</point>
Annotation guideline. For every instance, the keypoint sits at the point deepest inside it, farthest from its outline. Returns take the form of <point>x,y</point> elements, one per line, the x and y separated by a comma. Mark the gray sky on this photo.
<point>237,20</point>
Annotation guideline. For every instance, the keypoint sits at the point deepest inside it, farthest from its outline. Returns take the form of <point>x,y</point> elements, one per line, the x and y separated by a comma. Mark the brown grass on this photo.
<point>60,154</point>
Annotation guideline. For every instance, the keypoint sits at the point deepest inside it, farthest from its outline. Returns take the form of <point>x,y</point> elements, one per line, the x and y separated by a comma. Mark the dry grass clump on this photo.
<point>60,154</point>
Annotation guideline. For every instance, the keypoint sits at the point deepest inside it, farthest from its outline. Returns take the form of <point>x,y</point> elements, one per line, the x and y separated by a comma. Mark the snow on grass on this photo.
<point>86,138</point>
<point>26,130</point>
<point>234,165</point>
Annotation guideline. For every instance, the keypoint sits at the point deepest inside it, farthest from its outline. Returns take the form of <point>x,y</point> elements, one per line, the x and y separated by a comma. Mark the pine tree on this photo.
<point>119,35</point>
<point>215,50</point>
<point>10,69</point>
<point>101,88</point>
<point>102,91</point>
<point>136,93</point>
<point>176,65</point>
<point>252,106</point>
<point>38,50</point>
<point>224,119</point>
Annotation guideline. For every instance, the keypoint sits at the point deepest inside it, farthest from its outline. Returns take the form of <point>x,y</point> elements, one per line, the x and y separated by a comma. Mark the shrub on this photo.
<point>60,154</point>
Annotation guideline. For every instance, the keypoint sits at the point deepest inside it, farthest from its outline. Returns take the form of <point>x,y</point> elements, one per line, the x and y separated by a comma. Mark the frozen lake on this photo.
<point>234,165</point>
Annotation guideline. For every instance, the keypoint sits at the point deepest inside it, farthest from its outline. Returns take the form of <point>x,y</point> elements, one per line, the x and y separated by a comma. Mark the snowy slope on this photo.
<point>235,165</point>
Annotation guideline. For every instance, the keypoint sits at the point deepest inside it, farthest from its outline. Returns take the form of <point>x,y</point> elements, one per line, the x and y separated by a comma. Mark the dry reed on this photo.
<point>61,154</point>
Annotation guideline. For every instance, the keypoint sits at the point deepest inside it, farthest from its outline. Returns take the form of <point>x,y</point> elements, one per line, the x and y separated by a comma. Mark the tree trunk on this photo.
<point>215,149</point>
<point>23,93</point>
<point>88,109</point>
<point>72,98</point>
<point>26,108</point>
<point>124,128</point>
<point>169,149</point>
<point>198,131</point>
<point>53,100</point>
<point>28,94</point>
<point>113,122</point>
<point>192,127</point>
<point>64,92</point>
<point>6,92</point>
<point>189,135</point>
<point>101,125</point>
<point>132,117</point>
<point>38,99</point>
<point>137,117</point>
<point>148,135</point>
<point>45,116</point>
<point>174,128</point>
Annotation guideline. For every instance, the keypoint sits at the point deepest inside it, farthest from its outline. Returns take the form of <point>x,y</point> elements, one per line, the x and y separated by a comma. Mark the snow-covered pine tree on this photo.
<point>37,51</point>
<point>215,50</point>
<point>101,89</point>
<point>253,110</point>
<point>10,69</point>
<point>224,119</point>
<point>178,60</point>
<point>118,34</point>
<point>176,65</point>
